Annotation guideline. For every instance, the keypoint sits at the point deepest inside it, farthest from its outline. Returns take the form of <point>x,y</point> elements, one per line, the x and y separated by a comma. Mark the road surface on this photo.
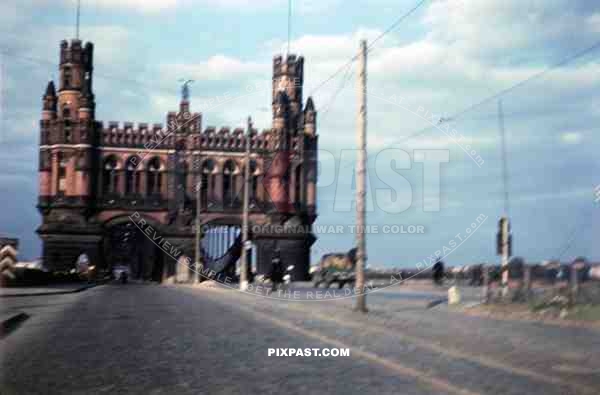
<point>151,339</point>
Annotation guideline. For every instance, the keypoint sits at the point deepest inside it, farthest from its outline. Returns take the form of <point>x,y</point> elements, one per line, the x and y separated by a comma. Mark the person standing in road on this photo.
<point>438,272</point>
<point>276,269</point>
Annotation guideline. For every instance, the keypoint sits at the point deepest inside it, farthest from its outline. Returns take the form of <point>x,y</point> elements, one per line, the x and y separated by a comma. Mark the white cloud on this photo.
<point>148,6</point>
<point>327,49</point>
<point>593,23</point>
<point>571,138</point>
<point>9,14</point>
<point>110,42</point>
<point>215,68</point>
<point>315,6</point>
<point>155,6</point>
<point>426,73</point>
<point>565,194</point>
<point>484,28</point>
<point>302,7</point>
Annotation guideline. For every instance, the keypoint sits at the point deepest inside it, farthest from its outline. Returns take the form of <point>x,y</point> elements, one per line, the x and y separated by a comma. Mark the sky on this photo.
<point>442,59</point>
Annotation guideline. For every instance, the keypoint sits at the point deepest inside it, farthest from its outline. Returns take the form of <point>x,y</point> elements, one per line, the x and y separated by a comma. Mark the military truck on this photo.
<point>336,268</point>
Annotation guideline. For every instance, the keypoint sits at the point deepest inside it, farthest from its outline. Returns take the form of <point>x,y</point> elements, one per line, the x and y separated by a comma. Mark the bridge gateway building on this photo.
<point>95,176</point>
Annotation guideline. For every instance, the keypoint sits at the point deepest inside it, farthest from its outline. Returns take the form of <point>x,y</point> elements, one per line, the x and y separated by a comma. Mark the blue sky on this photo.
<point>443,58</point>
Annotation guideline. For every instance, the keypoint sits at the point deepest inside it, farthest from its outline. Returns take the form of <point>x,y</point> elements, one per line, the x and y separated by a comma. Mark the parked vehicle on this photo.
<point>336,268</point>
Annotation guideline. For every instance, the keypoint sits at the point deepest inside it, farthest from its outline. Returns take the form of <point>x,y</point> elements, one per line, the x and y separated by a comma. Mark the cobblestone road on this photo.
<point>156,339</point>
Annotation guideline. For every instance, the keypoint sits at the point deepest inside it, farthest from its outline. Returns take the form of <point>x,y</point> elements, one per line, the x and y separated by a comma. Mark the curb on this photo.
<point>436,302</point>
<point>11,323</point>
<point>589,325</point>
<point>72,291</point>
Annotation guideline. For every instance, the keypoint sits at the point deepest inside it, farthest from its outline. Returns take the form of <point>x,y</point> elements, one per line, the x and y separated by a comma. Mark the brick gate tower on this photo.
<point>93,177</point>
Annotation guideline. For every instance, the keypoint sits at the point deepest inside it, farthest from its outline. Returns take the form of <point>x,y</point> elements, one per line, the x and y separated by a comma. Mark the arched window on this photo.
<point>208,181</point>
<point>109,175</point>
<point>154,178</point>
<point>181,179</point>
<point>68,134</point>
<point>62,174</point>
<point>132,176</point>
<point>298,183</point>
<point>229,187</point>
<point>67,77</point>
<point>252,188</point>
<point>66,114</point>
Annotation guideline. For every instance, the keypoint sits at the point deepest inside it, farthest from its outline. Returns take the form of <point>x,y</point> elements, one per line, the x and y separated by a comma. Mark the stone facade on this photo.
<point>94,175</point>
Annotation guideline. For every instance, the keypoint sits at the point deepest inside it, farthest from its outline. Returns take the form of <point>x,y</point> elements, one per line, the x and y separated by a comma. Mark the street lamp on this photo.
<point>198,265</point>
<point>245,242</point>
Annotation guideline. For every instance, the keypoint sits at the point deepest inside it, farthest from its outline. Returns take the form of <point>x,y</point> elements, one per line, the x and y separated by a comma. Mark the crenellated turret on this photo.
<point>75,83</point>
<point>288,77</point>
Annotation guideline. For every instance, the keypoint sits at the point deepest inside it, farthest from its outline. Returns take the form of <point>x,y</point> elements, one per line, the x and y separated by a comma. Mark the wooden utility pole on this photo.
<point>198,265</point>
<point>486,284</point>
<point>527,282</point>
<point>504,235</point>
<point>245,241</point>
<point>573,283</point>
<point>361,168</point>
<point>504,220</point>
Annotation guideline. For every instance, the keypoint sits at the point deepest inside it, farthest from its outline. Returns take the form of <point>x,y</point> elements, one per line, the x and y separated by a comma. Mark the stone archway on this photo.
<point>125,244</point>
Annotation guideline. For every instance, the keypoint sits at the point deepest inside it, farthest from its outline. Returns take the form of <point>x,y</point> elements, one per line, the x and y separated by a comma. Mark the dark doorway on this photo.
<point>126,245</point>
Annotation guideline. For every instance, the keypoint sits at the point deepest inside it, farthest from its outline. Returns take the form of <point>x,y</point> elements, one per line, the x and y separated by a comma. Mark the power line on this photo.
<point>579,226</point>
<point>395,24</point>
<point>497,95</point>
<point>154,87</point>
<point>509,89</point>
<point>345,78</point>
<point>369,46</point>
<point>494,96</point>
<point>46,62</point>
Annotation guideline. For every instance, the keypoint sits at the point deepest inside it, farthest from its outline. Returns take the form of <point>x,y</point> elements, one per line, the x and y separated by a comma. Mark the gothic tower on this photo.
<point>67,125</point>
<point>67,143</point>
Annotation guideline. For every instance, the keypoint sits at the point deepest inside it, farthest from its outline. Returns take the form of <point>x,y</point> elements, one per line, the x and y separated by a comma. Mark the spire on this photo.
<point>49,99</point>
<point>50,90</point>
<point>310,106</point>
<point>309,119</point>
